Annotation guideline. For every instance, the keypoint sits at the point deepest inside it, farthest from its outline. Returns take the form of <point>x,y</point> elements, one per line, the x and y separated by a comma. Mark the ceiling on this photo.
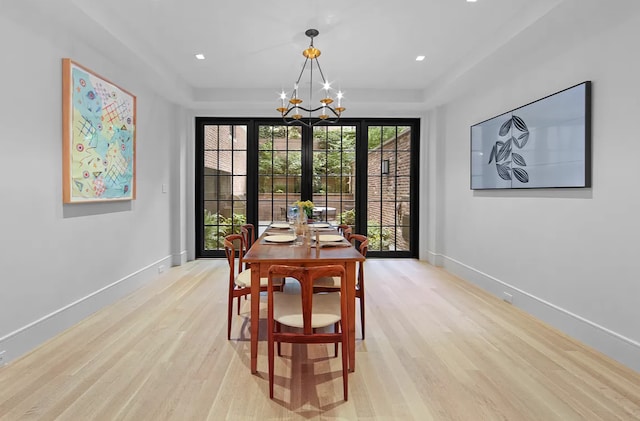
<point>253,47</point>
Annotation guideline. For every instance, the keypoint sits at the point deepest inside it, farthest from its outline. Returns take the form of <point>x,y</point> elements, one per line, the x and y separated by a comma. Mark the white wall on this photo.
<point>60,263</point>
<point>569,257</point>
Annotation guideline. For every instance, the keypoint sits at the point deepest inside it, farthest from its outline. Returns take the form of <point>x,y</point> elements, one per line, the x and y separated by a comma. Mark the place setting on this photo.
<point>279,238</point>
<point>278,228</point>
<point>330,240</point>
<point>321,226</point>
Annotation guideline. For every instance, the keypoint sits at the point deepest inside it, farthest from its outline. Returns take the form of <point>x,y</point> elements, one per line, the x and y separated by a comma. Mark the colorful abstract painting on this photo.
<point>99,139</point>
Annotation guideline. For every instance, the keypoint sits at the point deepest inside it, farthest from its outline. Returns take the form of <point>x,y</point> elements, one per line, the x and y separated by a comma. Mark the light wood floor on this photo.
<point>436,349</point>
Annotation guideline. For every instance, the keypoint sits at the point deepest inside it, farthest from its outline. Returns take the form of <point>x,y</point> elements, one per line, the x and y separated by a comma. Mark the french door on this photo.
<point>361,173</point>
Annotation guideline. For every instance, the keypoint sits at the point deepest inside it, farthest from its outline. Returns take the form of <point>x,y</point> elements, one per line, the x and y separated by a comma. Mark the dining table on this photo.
<point>266,252</point>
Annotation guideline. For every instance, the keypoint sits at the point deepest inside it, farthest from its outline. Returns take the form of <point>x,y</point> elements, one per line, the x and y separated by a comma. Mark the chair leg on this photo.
<point>271,358</point>
<point>239,304</point>
<point>362,312</point>
<point>229,314</point>
<point>345,364</point>
<point>277,325</point>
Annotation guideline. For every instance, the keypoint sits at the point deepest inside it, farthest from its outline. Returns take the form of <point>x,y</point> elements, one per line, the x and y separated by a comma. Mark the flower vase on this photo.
<point>309,213</point>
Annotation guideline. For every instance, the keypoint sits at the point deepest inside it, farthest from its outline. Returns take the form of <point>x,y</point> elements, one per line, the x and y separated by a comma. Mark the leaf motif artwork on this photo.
<point>493,153</point>
<point>502,151</point>
<point>545,143</point>
<point>521,175</point>
<point>504,171</point>
<point>520,124</point>
<point>518,159</point>
<point>504,129</point>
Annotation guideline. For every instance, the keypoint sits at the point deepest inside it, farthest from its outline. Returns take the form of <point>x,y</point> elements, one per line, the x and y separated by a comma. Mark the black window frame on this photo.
<point>361,175</point>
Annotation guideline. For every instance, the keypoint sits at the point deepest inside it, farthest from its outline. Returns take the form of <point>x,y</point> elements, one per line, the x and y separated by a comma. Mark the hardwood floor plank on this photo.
<point>437,348</point>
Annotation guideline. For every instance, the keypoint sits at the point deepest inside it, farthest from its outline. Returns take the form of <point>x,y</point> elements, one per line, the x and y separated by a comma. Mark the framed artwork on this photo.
<point>99,137</point>
<point>544,144</point>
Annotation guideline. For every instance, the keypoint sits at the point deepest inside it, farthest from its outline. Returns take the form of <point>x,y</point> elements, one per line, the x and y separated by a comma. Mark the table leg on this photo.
<point>350,268</point>
<point>255,314</point>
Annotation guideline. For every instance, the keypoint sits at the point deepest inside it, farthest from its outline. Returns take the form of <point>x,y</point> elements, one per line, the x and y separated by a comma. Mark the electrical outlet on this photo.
<point>160,268</point>
<point>2,354</point>
<point>507,297</point>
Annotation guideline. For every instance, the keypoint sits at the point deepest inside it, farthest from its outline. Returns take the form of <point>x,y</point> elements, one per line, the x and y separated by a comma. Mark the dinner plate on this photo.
<point>279,238</point>
<point>320,225</point>
<point>330,237</point>
<point>280,225</point>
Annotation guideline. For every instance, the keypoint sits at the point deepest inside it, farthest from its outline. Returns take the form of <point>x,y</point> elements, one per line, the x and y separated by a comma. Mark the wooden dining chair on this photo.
<point>248,234</point>
<point>239,278</point>
<point>307,312</point>
<point>344,230</point>
<point>327,284</point>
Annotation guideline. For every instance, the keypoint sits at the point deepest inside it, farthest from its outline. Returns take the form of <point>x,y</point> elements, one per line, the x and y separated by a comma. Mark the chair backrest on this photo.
<point>248,233</point>
<point>306,276</point>
<point>363,247</point>
<point>232,251</point>
<point>345,230</point>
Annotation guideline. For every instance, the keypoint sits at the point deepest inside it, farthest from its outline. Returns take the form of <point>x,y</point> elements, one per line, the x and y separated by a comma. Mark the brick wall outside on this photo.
<point>388,194</point>
<point>231,155</point>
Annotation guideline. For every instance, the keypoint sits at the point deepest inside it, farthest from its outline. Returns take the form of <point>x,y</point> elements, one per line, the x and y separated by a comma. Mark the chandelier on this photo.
<point>292,109</point>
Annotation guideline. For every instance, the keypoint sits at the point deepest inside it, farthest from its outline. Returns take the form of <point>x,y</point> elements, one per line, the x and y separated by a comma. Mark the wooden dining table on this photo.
<point>263,254</point>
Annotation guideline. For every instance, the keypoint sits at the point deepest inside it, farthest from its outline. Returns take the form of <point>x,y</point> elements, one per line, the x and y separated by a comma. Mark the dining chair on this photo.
<point>249,236</point>
<point>344,230</point>
<point>307,313</point>
<point>239,278</point>
<point>328,284</point>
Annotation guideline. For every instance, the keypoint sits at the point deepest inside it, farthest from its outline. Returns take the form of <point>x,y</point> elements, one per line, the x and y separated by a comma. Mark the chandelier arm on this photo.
<point>311,110</point>
<point>286,113</point>
<point>334,112</point>
<point>302,71</point>
<point>295,88</point>
<point>310,122</point>
<point>324,81</point>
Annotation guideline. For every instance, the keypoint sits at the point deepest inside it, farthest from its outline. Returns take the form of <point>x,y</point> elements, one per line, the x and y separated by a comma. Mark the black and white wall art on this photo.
<point>544,144</point>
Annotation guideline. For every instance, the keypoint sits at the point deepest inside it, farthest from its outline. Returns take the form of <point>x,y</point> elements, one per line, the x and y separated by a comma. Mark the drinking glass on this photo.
<point>292,214</point>
<point>299,232</point>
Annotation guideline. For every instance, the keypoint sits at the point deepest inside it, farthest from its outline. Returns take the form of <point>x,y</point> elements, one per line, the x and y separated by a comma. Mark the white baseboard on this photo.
<point>614,345</point>
<point>27,338</point>
<point>180,258</point>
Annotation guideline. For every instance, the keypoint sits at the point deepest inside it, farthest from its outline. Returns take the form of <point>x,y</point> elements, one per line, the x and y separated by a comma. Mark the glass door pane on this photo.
<point>389,186</point>
<point>334,176</point>
<point>279,171</point>
<point>224,181</point>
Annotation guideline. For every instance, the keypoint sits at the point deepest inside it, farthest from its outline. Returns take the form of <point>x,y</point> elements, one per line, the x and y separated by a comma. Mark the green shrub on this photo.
<point>348,217</point>
<point>216,227</point>
<point>378,237</point>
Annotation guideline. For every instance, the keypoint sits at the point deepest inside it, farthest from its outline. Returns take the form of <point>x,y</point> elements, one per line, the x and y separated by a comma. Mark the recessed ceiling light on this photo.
<point>471,1</point>
<point>420,58</point>
<point>200,56</point>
